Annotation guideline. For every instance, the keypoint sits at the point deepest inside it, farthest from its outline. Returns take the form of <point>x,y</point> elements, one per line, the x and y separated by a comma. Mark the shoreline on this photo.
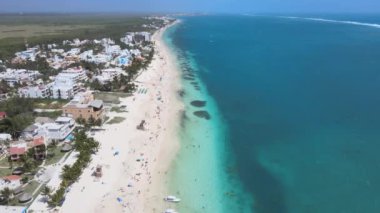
<point>136,179</point>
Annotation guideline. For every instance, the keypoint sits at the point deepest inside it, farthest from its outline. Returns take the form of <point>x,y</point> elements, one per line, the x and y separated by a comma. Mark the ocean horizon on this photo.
<point>281,113</point>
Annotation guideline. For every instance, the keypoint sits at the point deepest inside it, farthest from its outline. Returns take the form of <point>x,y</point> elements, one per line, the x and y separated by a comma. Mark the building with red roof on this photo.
<point>12,182</point>
<point>39,147</point>
<point>16,152</point>
<point>11,178</point>
<point>3,115</point>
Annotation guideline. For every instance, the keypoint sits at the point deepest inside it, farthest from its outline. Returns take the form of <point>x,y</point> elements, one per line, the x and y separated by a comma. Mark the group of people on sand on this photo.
<point>139,172</point>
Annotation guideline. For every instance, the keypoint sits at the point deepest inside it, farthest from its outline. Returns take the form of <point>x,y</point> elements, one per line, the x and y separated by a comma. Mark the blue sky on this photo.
<point>234,6</point>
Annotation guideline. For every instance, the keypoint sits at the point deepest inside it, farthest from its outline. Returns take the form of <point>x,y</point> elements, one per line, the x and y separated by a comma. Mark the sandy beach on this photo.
<point>135,162</point>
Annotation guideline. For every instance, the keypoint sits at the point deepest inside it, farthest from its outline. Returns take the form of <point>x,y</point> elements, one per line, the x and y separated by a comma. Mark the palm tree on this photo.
<point>8,125</point>
<point>57,197</point>
<point>29,165</point>
<point>6,193</point>
<point>59,94</point>
<point>46,192</point>
<point>66,168</point>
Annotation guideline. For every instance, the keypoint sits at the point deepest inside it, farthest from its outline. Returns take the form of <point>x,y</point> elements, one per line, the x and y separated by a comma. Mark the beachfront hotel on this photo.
<point>84,106</point>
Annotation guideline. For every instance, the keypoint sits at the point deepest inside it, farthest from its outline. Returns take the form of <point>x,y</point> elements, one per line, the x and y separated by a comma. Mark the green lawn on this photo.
<point>118,109</point>
<point>32,185</point>
<point>4,162</point>
<point>49,103</point>
<point>57,155</point>
<point>110,97</point>
<point>5,172</point>
<point>116,120</point>
<point>52,115</point>
<point>28,188</point>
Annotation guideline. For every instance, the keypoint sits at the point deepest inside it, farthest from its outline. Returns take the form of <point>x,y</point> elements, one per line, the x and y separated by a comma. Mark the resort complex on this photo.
<point>66,112</point>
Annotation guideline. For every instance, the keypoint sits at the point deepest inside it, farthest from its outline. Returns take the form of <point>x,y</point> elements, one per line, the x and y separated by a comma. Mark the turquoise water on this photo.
<point>201,176</point>
<point>295,114</point>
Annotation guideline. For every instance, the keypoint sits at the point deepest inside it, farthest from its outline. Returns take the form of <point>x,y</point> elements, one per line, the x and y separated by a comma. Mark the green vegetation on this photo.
<point>85,146</point>
<point>48,103</point>
<point>5,172</point>
<point>110,97</point>
<point>118,109</point>
<point>46,192</point>
<point>40,64</point>
<point>14,125</point>
<point>20,112</point>
<point>4,162</point>
<point>54,155</point>
<point>90,122</point>
<point>13,201</point>
<point>90,66</point>
<point>116,120</point>
<point>52,114</point>
<point>6,193</point>
<point>118,84</point>
<point>81,26</point>
<point>17,106</point>
<point>32,185</point>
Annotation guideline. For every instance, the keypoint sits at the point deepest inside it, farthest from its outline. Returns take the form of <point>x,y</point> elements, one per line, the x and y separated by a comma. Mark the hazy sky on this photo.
<point>233,6</point>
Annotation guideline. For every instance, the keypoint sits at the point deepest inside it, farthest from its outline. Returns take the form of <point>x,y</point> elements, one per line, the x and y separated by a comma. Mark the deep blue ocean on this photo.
<point>299,102</point>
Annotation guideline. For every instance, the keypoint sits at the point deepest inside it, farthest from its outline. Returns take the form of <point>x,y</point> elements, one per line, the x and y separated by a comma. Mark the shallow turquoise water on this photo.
<point>295,115</point>
<point>200,174</point>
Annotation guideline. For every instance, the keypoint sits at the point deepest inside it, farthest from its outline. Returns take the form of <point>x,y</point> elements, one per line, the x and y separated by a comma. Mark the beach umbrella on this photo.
<point>25,197</point>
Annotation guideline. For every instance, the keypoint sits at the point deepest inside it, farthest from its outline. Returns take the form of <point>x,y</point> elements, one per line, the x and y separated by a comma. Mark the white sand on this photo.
<point>156,147</point>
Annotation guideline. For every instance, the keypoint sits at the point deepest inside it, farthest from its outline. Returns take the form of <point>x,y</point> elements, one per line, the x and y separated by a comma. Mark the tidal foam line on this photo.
<point>334,21</point>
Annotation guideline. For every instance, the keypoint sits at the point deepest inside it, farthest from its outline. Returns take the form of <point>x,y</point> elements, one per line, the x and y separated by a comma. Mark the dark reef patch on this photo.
<point>181,93</point>
<point>203,114</point>
<point>183,118</point>
<point>194,83</point>
<point>188,78</point>
<point>198,103</point>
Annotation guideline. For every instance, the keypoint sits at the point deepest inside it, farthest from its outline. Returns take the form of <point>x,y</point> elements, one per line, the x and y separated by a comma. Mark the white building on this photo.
<point>57,130</point>
<point>12,76</point>
<point>135,52</point>
<point>108,75</point>
<point>101,58</point>
<point>77,74</point>
<point>29,54</point>
<point>128,39</point>
<point>59,51</point>
<point>107,41</point>
<point>64,87</point>
<point>147,36</point>
<point>39,91</point>
<point>112,49</point>
<point>87,55</point>
<point>65,121</point>
<point>5,137</point>
<point>74,51</point>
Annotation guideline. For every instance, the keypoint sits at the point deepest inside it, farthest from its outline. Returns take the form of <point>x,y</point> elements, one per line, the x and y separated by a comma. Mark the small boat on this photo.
<point>170,211</point>
<point>172,199</point>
